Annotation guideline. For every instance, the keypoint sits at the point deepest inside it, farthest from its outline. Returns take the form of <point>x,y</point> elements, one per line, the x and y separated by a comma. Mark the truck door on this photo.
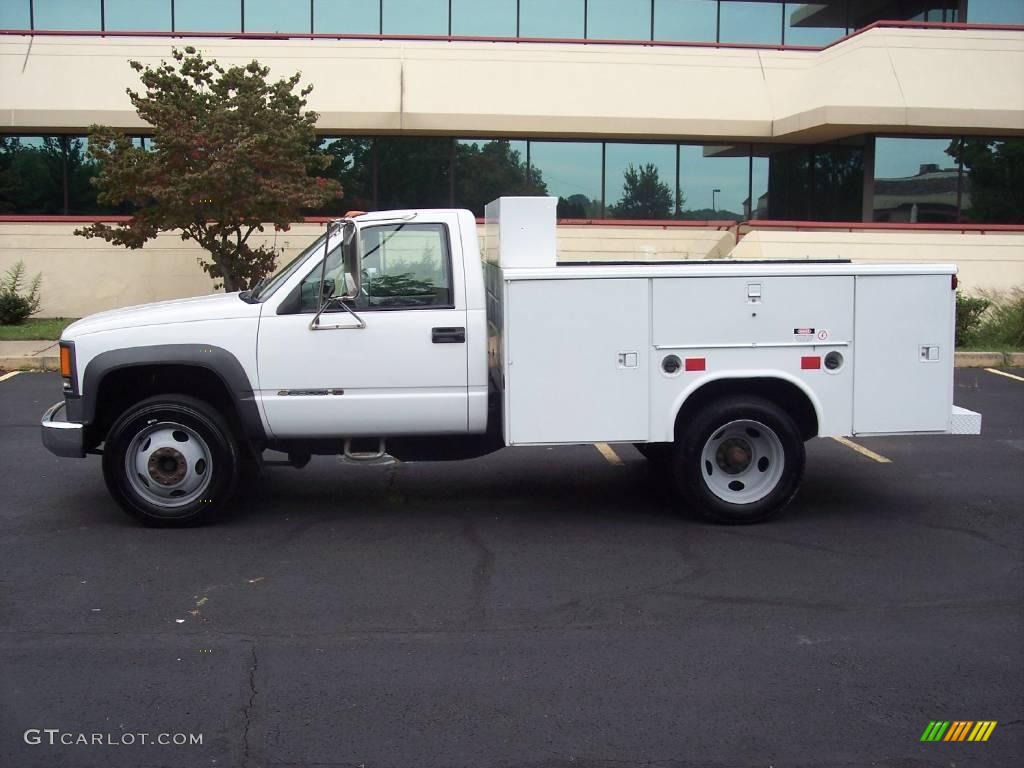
<point>405,372</point>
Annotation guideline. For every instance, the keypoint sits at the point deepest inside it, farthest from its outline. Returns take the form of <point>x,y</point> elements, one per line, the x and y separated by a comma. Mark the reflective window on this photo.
<point>276,16</point>
<point>485,170</point>
<point>713,181</point>
<point>544,18</point>
<point>995,11</point>
<point>816,183</point>
<point>814,23</point>
<point>207,15</point>
<point>619,19</point>
<point>138,15</point>
<point>415,17</point>
<point>695,20</point>
<point>572,173</point>
<point>405,266</point>
<point>353,17</point>
<point>47,175</point>
<point>413,172</point>
<point>750,22</point>
<point>351,165</point>
<point>756,205</point>
<point>14,14</point>
<point>67,14</point>
<point>993,180</point>
<point>484,18</point>
<point>862,14</point>
<point>640,181</point>
<point>916,180</point>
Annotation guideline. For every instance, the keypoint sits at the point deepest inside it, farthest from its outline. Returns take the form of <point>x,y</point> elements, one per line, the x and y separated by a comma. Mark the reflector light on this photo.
<point>953,282</point>
<point>810,363</point>
<point>696,364</point>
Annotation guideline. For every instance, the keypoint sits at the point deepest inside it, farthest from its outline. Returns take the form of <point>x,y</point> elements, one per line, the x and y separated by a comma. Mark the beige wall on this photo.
<point>84,276</point>
<point>884,80</point>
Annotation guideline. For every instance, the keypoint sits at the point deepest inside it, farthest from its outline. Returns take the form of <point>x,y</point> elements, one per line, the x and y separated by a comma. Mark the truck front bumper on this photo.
<point>62,438</point>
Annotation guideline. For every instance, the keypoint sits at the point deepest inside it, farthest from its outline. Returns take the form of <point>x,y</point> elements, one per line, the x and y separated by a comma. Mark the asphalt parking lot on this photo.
<point>533,608</point>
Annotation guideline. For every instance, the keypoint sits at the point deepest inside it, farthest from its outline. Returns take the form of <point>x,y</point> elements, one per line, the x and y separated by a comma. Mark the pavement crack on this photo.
<point>247,712</point>
<point>483,572</point>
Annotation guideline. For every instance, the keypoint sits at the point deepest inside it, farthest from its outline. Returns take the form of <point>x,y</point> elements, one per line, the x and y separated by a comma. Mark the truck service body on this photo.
<point>393,335</point>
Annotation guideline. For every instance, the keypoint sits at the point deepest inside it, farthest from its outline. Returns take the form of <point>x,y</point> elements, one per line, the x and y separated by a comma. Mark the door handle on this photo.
<point>448,335</point>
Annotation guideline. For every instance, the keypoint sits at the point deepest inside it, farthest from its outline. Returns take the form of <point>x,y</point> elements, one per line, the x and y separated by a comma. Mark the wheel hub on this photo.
<point>743,461</point>
<point>734,455</point>
<point>167,466</point>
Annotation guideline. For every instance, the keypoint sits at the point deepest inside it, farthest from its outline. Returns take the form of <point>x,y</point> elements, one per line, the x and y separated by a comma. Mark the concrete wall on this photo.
<point>912,80</point>
<point>84,276</point>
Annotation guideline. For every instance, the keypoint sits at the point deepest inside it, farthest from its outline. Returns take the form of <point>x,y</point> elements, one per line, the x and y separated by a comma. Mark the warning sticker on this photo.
<point>803,332</point>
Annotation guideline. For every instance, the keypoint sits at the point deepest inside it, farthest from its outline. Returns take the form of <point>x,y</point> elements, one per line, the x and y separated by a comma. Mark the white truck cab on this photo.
<point>392,336</point>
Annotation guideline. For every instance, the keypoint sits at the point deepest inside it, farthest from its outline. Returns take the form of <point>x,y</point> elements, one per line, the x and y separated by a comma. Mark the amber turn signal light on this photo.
<point>65,362</point>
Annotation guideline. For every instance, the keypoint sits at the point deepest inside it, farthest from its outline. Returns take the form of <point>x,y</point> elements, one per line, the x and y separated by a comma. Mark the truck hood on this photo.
<point>218,306</point>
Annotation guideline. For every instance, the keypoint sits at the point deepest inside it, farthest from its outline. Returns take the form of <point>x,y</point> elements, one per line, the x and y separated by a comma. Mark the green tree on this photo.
<point>488,171</point>
<point>995,175</point>
<point>231,151</point>
<point>644,195</point>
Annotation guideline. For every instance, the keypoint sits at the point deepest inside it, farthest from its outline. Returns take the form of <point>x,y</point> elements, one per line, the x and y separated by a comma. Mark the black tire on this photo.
<point>214,435</point>
<point>695,478</point>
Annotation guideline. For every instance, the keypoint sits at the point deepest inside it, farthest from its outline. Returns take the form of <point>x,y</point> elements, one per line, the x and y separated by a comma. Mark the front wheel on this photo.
<point>171,460</point>
<point>740,460</point>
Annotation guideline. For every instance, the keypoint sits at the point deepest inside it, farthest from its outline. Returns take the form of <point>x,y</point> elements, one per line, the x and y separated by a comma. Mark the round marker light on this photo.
<point>833,361</point>
<point>671,364</point>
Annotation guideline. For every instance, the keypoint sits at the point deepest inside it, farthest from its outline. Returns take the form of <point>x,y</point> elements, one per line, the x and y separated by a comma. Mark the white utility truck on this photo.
<point>390,337</point>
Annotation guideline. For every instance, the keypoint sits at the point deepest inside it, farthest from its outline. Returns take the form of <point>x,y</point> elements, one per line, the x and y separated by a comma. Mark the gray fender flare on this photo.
<point>215,359</point>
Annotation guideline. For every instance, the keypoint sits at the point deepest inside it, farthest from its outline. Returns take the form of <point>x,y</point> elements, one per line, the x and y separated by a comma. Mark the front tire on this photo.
<point>171,460</point>
<point>740,460</point>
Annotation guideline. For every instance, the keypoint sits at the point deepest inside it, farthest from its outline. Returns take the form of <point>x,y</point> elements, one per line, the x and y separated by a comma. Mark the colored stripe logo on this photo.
<point>958,730</point>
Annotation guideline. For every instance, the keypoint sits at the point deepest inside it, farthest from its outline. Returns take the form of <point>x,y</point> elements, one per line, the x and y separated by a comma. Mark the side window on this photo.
<point>406,266</point>
<point>334,282</point>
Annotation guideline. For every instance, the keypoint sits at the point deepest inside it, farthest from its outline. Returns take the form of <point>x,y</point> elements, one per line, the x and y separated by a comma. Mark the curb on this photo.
<point>48,363</point>
<point>963,360</point>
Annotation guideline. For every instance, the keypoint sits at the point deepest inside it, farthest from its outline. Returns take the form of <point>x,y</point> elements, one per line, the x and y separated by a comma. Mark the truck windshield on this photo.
<point>267,286</point>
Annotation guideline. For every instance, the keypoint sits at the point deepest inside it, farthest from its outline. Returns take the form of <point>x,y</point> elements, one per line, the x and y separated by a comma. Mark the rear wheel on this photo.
<point>740,460</point>
<point>171,460</point>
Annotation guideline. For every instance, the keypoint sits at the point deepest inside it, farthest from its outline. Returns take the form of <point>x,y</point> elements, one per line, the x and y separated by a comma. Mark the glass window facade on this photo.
<point>750,22</point>
<point>351,17</point>
<point>66,14</point>
<point>543,18</point>
<point>207,15</point>
<point>922,180</point>
<point>276,16</point>
<point>572,172</point>
<point>415,17</point>
<point>758,22</point>
<point>484,18</point>
<point>619,19</point>
<point>15,14</point>
<point>995,11</point>
<point>136,15</point>
<point>916,180</point>
<point>695,20</point>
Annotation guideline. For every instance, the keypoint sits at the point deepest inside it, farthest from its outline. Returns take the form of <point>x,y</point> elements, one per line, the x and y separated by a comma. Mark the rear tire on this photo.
<point>171,460</point>
<point>740,460</point>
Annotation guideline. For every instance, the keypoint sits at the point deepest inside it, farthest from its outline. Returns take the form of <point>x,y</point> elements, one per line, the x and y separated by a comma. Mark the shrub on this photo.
<point>16,306</point>
<point>1002,325</point>
<point>969,310</point>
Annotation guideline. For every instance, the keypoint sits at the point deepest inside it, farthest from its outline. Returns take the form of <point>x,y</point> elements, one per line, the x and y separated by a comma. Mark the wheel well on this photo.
<point>123,387</point>
<point>788,396</point>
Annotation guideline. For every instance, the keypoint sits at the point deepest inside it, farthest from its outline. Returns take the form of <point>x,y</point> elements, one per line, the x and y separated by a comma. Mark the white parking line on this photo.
<point>1004,373</point>
<point>609,454</point>
<point>10,375</point>
<point>862,450</point>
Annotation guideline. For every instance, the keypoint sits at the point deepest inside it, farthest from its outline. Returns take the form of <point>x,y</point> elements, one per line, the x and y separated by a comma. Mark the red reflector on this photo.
<point>810,363</point>
<point>696,364</point>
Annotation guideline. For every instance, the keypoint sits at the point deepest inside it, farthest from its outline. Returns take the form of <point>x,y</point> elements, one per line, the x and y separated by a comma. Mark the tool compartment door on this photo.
<point>903,380</point>
<point>577,360</point>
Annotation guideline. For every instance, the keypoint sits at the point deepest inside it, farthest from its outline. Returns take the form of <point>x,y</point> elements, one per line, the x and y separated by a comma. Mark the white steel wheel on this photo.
<point>743,461</point>
<point>169,465</point>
